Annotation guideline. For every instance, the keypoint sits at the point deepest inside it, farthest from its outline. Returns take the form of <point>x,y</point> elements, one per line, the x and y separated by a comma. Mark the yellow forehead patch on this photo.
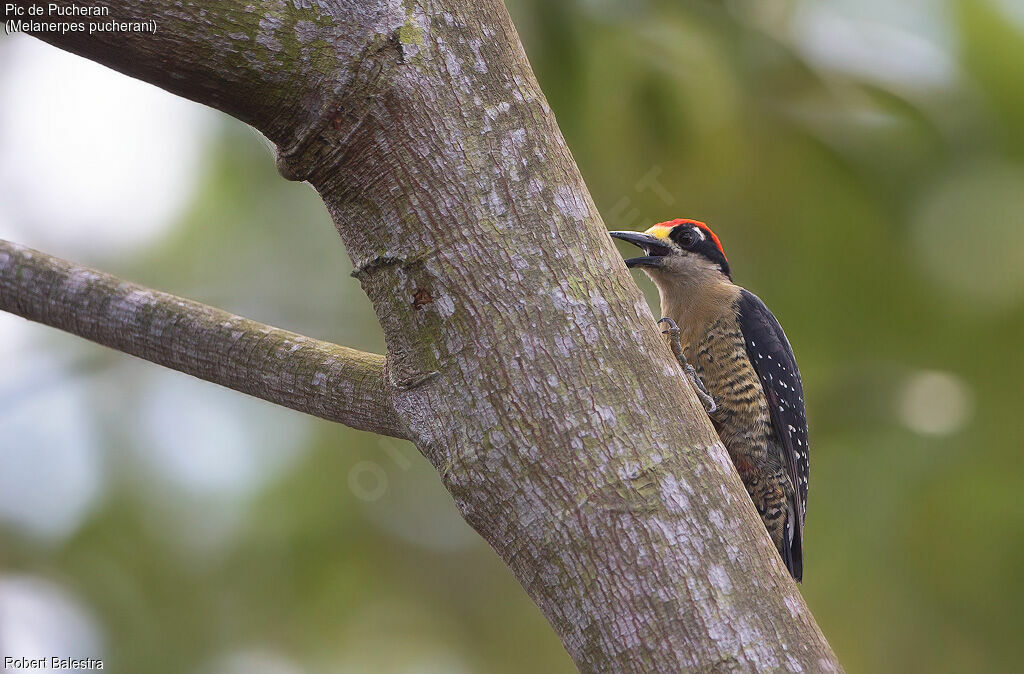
<point>659,231</point>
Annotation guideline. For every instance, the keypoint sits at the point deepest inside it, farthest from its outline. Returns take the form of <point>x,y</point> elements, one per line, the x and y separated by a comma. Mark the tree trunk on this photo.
<point>521,358</point>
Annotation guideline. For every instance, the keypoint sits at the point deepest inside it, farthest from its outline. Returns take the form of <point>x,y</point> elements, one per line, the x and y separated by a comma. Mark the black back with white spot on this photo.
<point>775,364</point>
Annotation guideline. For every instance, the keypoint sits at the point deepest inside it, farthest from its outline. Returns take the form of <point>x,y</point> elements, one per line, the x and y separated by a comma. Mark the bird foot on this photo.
<point>672,330</point>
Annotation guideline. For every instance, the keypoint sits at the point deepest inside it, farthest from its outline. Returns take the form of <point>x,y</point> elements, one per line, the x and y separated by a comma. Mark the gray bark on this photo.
<point>328,381</point>
<point>521,358</point>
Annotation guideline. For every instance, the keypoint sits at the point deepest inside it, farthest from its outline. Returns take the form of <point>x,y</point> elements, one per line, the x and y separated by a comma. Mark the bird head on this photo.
<point>683,248</point>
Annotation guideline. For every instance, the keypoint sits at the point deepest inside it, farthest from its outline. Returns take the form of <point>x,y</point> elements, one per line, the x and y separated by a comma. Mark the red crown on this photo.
<point>695,223</point>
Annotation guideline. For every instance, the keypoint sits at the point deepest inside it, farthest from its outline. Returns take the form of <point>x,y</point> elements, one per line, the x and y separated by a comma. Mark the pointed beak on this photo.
<point>655,248</point>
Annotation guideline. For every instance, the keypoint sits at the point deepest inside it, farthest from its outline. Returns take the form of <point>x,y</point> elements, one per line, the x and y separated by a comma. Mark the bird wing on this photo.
<point>775,364</point>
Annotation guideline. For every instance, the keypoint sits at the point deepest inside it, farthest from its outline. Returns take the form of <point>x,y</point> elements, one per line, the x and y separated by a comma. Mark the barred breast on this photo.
<point>742,418</point>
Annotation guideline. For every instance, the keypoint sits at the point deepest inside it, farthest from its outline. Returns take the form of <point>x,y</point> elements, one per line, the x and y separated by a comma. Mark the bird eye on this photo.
<point>685,237</point>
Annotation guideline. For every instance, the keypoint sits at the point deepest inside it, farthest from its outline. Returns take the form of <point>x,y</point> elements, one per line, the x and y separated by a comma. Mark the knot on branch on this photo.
<point>335,134</point>
<point>395,283</point>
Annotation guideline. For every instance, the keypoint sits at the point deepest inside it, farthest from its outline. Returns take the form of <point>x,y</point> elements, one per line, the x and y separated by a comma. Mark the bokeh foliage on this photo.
<point>879,215</point>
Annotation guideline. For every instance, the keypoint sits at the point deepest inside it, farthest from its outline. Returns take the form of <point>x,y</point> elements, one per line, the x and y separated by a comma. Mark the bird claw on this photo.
<point>677,350</point>
<point>706,399</point>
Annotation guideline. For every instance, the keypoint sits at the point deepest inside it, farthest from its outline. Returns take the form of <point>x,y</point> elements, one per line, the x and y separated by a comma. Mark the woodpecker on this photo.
<point>743,368</point>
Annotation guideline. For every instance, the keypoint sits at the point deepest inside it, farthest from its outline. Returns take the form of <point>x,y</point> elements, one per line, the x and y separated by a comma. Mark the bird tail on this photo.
<point>793,554</point>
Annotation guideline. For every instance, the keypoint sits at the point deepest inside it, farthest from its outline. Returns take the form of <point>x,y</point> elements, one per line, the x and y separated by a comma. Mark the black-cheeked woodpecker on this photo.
<point>743,368</point>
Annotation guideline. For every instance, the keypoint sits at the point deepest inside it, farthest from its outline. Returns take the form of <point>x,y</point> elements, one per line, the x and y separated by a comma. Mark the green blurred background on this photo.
<point>863,163</point>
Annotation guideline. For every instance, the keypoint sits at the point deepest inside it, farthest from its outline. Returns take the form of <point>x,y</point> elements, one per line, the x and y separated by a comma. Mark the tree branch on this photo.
<point>526,363</point>
<point>328,381</point>
<point>269,63</point>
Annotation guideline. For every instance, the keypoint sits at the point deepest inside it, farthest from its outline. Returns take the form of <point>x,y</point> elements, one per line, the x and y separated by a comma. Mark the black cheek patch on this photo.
<point>708,249</point>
